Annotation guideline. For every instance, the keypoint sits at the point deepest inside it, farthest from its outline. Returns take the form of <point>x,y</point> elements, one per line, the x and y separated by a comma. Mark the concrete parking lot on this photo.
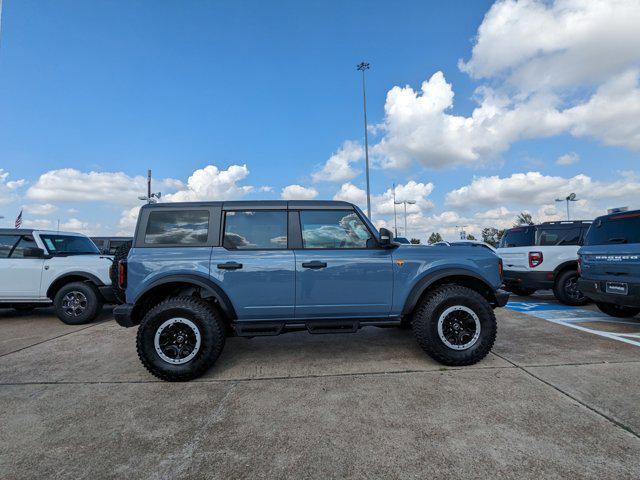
<point>552,401</point>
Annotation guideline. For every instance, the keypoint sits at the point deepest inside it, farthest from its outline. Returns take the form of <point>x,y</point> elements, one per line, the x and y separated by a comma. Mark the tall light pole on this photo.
<point>405,202</point>
<point>395,216</point>
<point>149,198</point>
<point>569,198</point>
<point>362,67</point>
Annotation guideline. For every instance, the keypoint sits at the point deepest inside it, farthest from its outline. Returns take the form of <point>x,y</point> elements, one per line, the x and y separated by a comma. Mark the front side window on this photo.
<point>63,245</point>
<point>177,227</point>
<point>255,230</point>
<point>7,242</point>
<point>333,229</point>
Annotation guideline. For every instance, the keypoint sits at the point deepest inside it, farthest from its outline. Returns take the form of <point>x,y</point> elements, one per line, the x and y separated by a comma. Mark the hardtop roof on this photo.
<point>260,204</point>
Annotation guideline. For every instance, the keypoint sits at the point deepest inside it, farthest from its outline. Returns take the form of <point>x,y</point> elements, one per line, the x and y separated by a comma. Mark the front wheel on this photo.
<point>618,311</point>
<point>455,325</point>
<point>566,289</point>
<point>180,338</point>
<point>77,303</point>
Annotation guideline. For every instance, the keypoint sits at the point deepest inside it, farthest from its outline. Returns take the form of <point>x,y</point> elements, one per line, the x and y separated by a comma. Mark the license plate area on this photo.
<point>617,288</point>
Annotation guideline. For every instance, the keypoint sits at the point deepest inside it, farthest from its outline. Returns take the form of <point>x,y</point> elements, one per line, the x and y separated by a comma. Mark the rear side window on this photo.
<point>623,228</point>
<point>558,236</point>
<point>333,229</point>
<point>6,244</point>
<point>177,227</point>
<point>518,237</point>
<point>25,242</point>
<point>255,230</point>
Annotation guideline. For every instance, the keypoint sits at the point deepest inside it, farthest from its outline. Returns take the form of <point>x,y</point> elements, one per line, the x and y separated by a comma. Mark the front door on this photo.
<point>340,270</point>
<point>255,266</point>
<point>21,277</point>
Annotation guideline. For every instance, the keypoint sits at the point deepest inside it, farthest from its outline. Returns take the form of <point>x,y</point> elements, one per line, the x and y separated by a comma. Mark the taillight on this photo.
<point>579,265</point>
<point>535,259</point>
<point>122,274</point>
<point>500,268</point>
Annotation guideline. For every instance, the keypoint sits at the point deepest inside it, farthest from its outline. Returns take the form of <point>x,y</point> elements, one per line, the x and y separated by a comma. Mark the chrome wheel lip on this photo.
<point>194,328</point>
<point>459,308</point>
<point>74,303</point>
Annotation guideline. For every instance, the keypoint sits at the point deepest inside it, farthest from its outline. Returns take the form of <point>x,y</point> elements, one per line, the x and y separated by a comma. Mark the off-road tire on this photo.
<point>90,311</point>
<point>618,311</point>
<point>522,292</point>
<point>561,292</point>
<point>121,254</point>
<point>425,324</point>
<point>212,334</point>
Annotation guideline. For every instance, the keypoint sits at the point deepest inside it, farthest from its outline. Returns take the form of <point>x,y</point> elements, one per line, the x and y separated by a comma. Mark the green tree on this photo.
<point>492,236</point>
<point>435,237</point>
<point>523,218</point>
<point>415,241</point>
<point>470,237</point>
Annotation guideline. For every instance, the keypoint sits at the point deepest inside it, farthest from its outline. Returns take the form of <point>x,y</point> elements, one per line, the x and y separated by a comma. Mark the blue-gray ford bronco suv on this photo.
<point>199,272</point>
<point>610,264</point>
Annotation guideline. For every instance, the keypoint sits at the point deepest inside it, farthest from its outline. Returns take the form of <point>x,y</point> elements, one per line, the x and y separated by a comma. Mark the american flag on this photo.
<point>19,220</point>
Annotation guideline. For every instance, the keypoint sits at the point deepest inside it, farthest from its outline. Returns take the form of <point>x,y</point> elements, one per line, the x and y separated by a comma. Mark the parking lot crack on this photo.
<point>608,418</point>
<point>176,464</point>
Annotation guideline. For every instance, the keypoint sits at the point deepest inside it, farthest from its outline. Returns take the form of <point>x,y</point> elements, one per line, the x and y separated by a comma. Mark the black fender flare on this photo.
<point>205,283</point>
<point>563,266</point>
<point>430,278</point>
<point>85,275</point>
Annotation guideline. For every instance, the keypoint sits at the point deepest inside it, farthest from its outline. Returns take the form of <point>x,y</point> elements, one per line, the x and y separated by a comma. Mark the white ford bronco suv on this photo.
<point>538,257</point>
<point>40,267</point>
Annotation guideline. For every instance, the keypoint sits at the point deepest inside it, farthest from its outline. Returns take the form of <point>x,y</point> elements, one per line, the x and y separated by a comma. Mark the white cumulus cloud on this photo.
<point>298,192</point>
<point>568,159</point>
<point>8,187</point>
<point>339,167</point>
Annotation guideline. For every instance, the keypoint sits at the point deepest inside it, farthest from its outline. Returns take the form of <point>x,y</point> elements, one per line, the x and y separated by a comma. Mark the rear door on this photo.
<point>20,277</point>
<point>340,270</point>
<point>255,265</point>
<point>515,246</point>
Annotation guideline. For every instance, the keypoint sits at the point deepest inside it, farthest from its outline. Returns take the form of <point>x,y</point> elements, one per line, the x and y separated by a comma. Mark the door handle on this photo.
<point>314,265</point>
<point>230,266</point>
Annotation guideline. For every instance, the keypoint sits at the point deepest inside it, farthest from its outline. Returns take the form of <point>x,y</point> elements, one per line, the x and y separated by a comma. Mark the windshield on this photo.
<point>623,228</point>
<point>69,245</point>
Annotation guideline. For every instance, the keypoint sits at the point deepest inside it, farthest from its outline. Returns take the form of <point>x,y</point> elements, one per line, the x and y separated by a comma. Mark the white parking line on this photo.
<point>570,317</point>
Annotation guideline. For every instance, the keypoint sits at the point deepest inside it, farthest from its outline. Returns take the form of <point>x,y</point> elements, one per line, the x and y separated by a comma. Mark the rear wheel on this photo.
<point>77,303</point>
<point>566,289</point>
<point>455,325</point>
<point>617,310</point>
<point>180,338</point>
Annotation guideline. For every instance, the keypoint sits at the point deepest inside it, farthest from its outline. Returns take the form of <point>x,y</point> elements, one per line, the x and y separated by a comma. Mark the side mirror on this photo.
<point>385,237</point>
<point>33,252</point>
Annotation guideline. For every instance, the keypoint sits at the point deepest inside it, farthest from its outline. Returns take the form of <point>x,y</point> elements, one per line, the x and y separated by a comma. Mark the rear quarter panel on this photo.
<point>148,265</point>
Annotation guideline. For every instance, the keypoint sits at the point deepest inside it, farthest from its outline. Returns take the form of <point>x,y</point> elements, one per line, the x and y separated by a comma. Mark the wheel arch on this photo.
<point>457,276</point>
<point>563,267</point>
<point>174,284</point>
<point>69,277</point>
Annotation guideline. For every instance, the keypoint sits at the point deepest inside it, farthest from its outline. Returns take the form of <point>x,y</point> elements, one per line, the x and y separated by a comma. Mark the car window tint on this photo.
<point>177,227</point>
<point>333,229</point>
<point>622,228</point>
<point>255,229</point>
<point>114,245</point>
<point>558,236</point>
<point>518,237</point>
<point>25,242</point>
<point>6,244</point>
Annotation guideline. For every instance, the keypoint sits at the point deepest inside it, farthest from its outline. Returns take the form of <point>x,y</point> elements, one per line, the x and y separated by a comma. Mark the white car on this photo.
<point>39,267</point>
<point>538,257</point>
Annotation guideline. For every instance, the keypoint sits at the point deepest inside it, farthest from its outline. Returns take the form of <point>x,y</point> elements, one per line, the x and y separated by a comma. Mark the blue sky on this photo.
<point>121,86</point>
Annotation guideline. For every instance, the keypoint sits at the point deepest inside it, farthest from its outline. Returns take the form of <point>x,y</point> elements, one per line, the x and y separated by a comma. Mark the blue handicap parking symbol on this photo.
<point>536,306</point>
